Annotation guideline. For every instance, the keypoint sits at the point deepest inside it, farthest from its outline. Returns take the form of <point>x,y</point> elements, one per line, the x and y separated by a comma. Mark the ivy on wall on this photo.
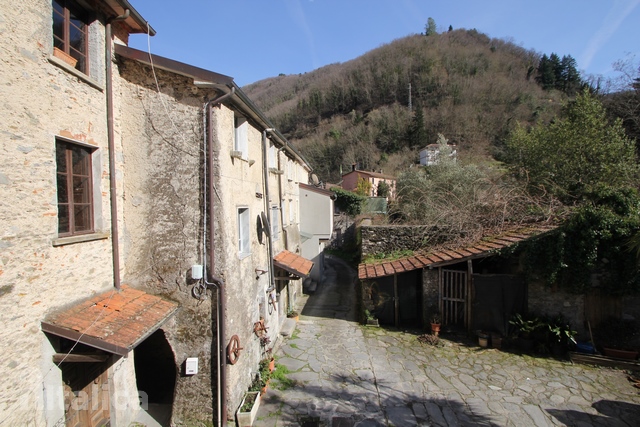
<point>592,243</point>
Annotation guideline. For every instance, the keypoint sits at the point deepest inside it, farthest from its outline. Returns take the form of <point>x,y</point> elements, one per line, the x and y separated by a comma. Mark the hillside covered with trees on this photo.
<point>378,110</point>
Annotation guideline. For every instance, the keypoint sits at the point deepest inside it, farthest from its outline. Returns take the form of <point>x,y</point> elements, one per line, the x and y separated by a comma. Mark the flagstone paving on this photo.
<point>347,374</point>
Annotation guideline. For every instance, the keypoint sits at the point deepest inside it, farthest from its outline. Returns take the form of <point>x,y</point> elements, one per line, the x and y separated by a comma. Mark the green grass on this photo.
<point>294,335</point>
<point>293,345</point>
<point>279,378</point>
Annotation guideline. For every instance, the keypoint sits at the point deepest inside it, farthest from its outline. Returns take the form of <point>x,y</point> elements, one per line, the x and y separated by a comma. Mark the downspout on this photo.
<point>215,281</point>
<point>286,240</point>
<point>115,250</point>
<point>265,177</point>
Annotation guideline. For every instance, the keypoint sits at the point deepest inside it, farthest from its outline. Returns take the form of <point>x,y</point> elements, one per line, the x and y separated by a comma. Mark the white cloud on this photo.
<point>299,18</point>
<point>617,14</point>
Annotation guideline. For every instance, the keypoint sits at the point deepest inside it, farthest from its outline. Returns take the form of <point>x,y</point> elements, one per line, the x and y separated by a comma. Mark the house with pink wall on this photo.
<point>350,181</point>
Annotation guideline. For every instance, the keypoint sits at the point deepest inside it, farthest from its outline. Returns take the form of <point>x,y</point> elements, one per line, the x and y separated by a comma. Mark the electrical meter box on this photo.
<point>191,366</point>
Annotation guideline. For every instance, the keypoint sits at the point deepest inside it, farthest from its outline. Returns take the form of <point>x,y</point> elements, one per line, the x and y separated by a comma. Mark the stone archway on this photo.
<point>156,373</point>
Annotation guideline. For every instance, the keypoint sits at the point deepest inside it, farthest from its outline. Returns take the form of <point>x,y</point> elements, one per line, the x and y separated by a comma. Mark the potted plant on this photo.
<point>370,319</point>
<point>436,321</point>
<point>246,413</point>
<point>292,314</point>
<point>525,328</point>
<point>261,380</point>
<point>560,334</point>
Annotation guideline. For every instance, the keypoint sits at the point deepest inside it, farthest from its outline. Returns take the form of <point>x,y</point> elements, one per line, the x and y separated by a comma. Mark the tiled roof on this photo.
<point>114,321</point>
<point>293,263</point>
<point>480,249</point>
<point>372,174</point>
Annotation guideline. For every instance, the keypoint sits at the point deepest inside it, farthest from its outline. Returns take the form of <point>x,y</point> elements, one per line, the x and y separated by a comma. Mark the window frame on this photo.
<point>241,135</point>
<point>68,175</point>
<point>244,231</point>
<point>275,222</point>
<point>72,11</point>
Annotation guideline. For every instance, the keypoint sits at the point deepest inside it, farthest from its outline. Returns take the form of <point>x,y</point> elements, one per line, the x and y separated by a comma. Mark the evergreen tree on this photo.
<point>571,81</point>
<point>430,27</point>
<point>546,76</point>
<point>417,132</point>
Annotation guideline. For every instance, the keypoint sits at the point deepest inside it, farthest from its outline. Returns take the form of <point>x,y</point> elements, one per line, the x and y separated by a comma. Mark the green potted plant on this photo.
<point>560,335</point>
<point>262,377</point>
<point>292,314</point>
<point>370,319</point>
<point>246,413</point>
<point>524,328</point>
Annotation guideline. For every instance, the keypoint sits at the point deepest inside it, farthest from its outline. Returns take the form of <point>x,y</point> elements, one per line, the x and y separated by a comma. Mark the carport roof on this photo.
<point>114,321</point>
<point>434,258</point>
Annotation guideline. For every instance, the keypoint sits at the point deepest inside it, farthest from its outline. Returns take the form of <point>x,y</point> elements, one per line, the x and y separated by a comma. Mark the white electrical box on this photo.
<point>191,366</point>
<point>196,272</point>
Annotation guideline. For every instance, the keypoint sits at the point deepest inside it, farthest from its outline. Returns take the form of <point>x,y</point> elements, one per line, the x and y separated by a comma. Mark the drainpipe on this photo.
<point>265,177</point>
<point>215,281</point>
<point>115,250</point>
<point>286,240</point>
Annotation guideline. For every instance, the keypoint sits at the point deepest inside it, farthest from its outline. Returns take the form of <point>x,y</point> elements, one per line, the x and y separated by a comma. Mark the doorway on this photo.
<point>397,299</point>
<point>156,376</point>
<point>86,394</point>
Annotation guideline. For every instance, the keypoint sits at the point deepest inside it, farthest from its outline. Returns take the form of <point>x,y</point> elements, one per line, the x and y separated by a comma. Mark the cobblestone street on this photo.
<point>347,374</point>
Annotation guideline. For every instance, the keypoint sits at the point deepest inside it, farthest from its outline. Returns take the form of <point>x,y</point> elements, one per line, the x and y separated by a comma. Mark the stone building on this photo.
<point>351,178</point>
<point>150,213</point>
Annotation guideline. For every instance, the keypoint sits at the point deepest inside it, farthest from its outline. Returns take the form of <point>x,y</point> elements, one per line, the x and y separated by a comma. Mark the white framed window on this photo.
<point>284,213</point>
<point>244,242</point>
<point>241,142</point>
<point>275,222</point>
<point>292,212</point>
<point>289,170</point>
<point>273,157</point>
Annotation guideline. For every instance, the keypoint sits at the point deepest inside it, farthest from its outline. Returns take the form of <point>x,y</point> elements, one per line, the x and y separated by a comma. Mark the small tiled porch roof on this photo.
<point>114,321</point>
<point>294,264</point>
<point>483,248</point>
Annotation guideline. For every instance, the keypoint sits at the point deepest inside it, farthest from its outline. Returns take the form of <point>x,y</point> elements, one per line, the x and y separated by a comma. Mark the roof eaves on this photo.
<point>135,21</point>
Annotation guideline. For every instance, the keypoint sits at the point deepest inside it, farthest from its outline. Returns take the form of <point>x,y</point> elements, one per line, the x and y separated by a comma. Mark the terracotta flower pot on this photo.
<point>65,57</point>
<point>435,328</point>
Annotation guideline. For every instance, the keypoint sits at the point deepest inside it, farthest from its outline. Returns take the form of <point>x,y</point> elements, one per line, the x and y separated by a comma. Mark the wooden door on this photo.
<point>86,394</point>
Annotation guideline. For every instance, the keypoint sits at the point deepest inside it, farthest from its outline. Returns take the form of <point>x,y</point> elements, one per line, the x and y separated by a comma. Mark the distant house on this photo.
<point>350,181</point>
<point>316,225</point>
<point>429,155</point>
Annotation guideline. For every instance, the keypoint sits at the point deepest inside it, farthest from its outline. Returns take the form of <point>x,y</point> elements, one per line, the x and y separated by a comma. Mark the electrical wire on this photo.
<point>100,314</point>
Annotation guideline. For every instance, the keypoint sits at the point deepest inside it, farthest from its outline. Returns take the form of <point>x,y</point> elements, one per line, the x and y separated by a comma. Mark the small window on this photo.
<point>289,170</point>
<point>275,223</point>
<point>241,137</point>
<point>273,157</point>
<point>292,212</point>
<point>244,245</point>
<point>75,189</point>
<point>70,32</point>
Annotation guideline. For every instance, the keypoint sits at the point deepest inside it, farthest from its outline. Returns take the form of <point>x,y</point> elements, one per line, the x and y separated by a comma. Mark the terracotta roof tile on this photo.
<point>484,246</point>
<point>294,264</point>
<point>115,321</point>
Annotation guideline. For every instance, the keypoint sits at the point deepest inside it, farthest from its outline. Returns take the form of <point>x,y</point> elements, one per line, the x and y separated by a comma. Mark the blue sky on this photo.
<point>250,40</point>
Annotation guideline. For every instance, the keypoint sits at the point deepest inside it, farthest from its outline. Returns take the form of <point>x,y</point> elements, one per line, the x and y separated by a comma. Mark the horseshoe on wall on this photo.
<point>234,349</point>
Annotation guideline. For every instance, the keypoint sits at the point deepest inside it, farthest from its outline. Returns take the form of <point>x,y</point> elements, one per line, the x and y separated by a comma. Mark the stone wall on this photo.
<point>378,239</point>
<point>163,210</point>
<point>544,300</point>
<point>42,100</point>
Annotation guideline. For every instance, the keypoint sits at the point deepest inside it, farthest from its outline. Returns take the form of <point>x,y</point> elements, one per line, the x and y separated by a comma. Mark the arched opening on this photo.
<point>156,376</point>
